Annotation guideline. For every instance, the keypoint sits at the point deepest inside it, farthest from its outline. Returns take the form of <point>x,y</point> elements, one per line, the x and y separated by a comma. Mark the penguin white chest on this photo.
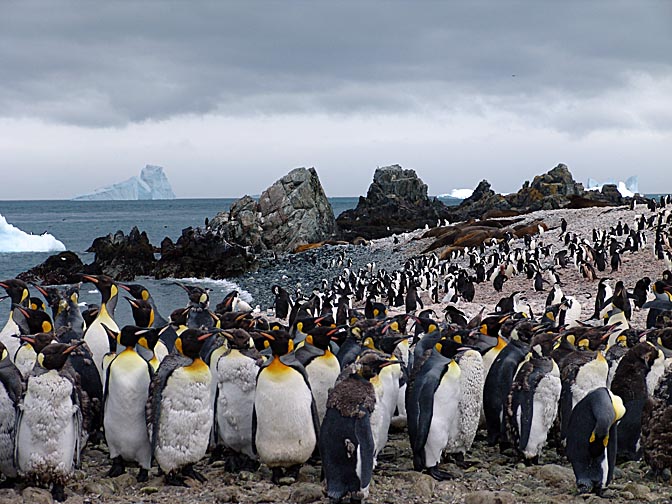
<point>544,411</point>
<point>322,374</point>
<point>7,337</point>
<point>444,426</point>
<point>124,413</point>
<point>48,432</point>
<point>285,434</point>
<point>235,375</point>
<point>186,417</point>
<point>97,340</point>
<point>25,359</point>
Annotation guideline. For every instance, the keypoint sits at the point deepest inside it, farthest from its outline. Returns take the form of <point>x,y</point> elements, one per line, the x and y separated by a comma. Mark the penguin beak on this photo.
<point>205,336</point>
<point>125,287</point>
<point>27,339</point>
<point>131,301</point>
<point>388,362</point>
<point>72,347</point>
<point>40,289</point>
<point>89,278</point>
<point>267,336</point>
<point>110,332</point>
<point>23,311</point>
<point>227,335</point>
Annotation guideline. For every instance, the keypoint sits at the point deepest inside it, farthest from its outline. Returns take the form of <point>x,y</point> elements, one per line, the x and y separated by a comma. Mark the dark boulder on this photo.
<point>124,257</point>
<point>62,268</point>
<point>481,201</point>
<point>202,253</point>
<point>396,202</point>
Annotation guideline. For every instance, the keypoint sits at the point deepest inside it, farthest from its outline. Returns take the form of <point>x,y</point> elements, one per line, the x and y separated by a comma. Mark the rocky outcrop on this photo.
<point>202,253</point>
<point>124,257</point>
<point>62,268</point>
<point>396,202</point>
<point>552,190</point>
<point>291,213</point>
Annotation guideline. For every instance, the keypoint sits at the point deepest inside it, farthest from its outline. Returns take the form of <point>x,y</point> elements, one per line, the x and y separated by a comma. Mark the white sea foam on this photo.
<point>222,286</point>
<point>13,239</point>
<point>627,188</point>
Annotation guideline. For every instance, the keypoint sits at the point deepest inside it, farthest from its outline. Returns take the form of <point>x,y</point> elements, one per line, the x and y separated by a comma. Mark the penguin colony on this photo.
<point>324,381</point>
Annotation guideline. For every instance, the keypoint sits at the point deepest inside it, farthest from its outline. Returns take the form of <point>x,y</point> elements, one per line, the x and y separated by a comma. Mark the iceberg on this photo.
<point>151,184</point>
<point>458,194</point>
<point>627,189</point>
<point>13,239</point>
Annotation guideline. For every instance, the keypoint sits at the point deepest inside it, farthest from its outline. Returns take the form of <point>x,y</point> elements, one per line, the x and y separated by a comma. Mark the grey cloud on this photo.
<point>108,64</point>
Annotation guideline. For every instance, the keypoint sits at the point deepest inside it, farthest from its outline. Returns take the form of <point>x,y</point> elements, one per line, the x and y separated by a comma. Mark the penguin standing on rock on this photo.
<point>179,410</point>
<point>285,424</point>
<point>591,439</point>
<point>346,441</point>
<point>49,424</point>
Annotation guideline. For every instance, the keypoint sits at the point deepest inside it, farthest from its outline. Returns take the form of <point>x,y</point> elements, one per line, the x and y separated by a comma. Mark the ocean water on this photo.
<point>77,223</point>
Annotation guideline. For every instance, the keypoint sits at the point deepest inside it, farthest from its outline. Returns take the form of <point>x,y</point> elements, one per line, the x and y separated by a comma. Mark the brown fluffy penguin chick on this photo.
<point>657,429</point>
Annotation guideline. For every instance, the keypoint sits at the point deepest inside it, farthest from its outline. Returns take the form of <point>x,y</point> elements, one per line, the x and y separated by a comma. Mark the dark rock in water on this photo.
<point>124,257</point>
<point>294,211</point>
<point>62,268</point>
<point>202,253</point>
<point>482,200</point>
<point>396,202</point>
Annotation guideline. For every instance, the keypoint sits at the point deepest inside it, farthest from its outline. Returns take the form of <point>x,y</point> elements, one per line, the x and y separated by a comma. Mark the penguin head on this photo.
<point>279,342</point>
<point>143,313</point>
<point>198,296</point>
<point>39,341</point>
<point>191,341</point>
<point>54,355</point>
<point>32,321</point>
<point>90,314</point>
<point>138,291</point>
<point>179,317</point>
<point>370,363</point>
<point>51,294</point>
<point>17,291</point>
<point>105,285</point>
<point>35,303</point>
<point>112,338</point>
<point>130,335</point>
<point>238,339</point>
<point>320,337</point>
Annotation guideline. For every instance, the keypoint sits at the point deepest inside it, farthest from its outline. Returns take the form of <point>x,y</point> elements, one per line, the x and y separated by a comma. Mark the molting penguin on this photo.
<point>235,375</point>
<point>532,406</point>
<point>346,440</point>
<point>95,335</point>
<point>11,389</point>
<point>591,439</point>
<point>179,411</point>
<point>49,425</point>
<point>127,380</point>
<point>285,425</point>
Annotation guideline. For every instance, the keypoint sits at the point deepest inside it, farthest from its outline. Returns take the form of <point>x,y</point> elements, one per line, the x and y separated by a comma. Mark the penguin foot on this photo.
<point>58,492</point>
<point>531,461</point>
<point>293,472</point>
<point>276,475</point>
<point>143,475</point>
<point>438,474</point>
<point>216,454</point>
<point>189,472</point>
<point>118,468</point>
<point>96,438</point>
<point>173,479</point>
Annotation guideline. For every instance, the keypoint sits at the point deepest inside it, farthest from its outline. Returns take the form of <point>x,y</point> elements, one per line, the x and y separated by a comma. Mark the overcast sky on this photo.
<point>229,96</point>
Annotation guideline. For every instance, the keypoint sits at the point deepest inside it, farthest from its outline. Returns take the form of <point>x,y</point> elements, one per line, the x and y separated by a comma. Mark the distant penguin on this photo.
<point>11,390</point>
<point>532,406</point>
<point>641,290</point>
<point>95,335</point>
<point>285,422</point>
<point>346,440</point>
<point>591,440</point>
<point>498,282</point>
<point>127,380</point>
<point>282,303</point>
<point>179,410</point>
<point>49,424</point>
<point>555,296</point>
<point>563,226</point>
<point>412,300</point>
<point>604,293</point>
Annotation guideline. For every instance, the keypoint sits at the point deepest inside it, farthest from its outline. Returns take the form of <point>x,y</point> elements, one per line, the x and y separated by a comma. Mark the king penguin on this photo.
<point>179,410</point>
<point>49,425</point>
<point>127,380</point>
<point>285,424</point>
<point>234,379</point>
<point>18,292</point>
<point>346,440</point>
<point>11,389</point>
<point>591,439</point>
<point>95,335</point>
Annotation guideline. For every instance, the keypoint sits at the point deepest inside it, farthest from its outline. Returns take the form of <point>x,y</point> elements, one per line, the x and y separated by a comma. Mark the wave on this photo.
<point>458,194</point>
<point>222,286</point>
<point>13,239</point>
